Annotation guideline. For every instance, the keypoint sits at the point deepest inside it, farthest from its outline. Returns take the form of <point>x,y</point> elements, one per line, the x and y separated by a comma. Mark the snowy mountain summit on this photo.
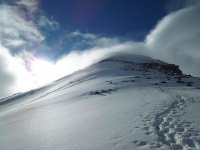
<point>123,102</point>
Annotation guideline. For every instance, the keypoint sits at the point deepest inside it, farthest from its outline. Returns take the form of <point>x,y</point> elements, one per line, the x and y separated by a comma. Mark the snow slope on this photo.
<point>123,102</point>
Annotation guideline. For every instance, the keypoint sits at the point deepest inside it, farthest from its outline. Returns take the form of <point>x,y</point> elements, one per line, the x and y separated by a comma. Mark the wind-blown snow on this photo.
<point>123,102</point>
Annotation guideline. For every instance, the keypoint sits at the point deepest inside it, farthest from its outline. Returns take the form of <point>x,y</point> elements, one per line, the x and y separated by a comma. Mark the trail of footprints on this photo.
<point>170,131</point>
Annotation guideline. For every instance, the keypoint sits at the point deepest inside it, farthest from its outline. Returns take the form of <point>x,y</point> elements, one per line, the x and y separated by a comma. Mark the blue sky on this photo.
<point>109,17</point>
<point>43,40</point>
<point>54,21</point>
<point>127,20</point>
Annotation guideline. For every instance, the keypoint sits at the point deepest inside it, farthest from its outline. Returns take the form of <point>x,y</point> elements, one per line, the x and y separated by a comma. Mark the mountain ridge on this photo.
<point>138,103</point>
<point>139,62</point>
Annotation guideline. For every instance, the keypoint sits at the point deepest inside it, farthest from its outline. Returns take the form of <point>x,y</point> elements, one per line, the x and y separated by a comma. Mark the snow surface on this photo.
<point>115,104</point>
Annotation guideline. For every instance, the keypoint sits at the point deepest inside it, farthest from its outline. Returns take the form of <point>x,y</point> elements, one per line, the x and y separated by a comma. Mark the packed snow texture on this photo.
<point>123,102</point>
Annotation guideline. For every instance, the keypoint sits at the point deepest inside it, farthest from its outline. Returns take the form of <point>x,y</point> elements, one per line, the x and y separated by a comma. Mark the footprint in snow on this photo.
<point>170,130</point>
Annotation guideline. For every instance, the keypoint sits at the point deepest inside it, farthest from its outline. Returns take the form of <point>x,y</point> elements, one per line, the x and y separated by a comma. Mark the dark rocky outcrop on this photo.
<point>169,69</point>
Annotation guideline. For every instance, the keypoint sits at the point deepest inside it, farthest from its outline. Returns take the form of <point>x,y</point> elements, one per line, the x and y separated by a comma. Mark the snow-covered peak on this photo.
<point>130,64</point>
<point>124,102</point>
<point>134,58</point>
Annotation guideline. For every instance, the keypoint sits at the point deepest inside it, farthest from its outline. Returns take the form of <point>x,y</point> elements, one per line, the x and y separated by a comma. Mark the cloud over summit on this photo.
<point>175,39</point>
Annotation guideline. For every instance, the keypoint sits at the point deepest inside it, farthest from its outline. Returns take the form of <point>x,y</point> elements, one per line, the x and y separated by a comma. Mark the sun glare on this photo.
<point>42,71</point>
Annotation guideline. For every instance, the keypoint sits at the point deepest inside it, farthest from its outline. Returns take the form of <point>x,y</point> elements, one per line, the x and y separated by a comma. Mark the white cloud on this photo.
<point>77,60</point>
<point>82,41</point>
<point>13,74</point>
<point>17,28</point>
<point>176,39</point>
<point>87,36</point>
<point>31,5</point>
<point>13,42</point>
<point>45,22</point>
<point>21,23</point>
